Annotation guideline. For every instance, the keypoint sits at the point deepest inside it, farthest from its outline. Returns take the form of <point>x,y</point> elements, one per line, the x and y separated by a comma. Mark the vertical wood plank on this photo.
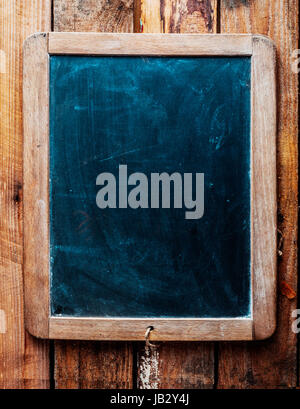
<point>272,363</point>
<point>264,192</point>
<point>24,360</point>
<point>91,365</point>
<point>93,15</point>
<point>176,16</point>
<point>176,365</point>
<point>35,189</point>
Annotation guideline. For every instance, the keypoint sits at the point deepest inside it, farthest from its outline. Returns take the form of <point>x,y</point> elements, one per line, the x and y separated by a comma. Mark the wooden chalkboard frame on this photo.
<point>38,319</point>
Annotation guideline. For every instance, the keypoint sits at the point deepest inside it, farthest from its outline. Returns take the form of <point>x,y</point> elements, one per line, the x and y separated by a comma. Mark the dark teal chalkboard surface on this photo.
<point>157,114</point>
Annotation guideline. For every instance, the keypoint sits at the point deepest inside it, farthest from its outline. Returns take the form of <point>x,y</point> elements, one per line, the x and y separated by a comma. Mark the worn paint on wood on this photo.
<point>169,16</point>
<point>148,370</point>
<point>176,365</point>
<point>272,363</point>
<point>93,15</point>
<point>24,361</point>
<point>116,44</point>
<point>35,192</point>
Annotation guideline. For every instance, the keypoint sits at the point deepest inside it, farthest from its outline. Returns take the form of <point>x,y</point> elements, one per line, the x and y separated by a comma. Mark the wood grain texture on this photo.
<point>97,365</point>
<point>149,44</point>
<point>264,199</point>
<point>105,15</point>
<point>180,365</point>
<point>272,363</point>
<point>166,330</point>
<point>194,364</point>
<point>93,15</point>
<point>24,361</point>
<point>36,185</point>
<point>170,16</point>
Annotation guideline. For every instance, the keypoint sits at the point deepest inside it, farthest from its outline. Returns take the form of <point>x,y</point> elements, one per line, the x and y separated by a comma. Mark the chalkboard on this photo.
<point>150,187</point>
<point>153,114</point>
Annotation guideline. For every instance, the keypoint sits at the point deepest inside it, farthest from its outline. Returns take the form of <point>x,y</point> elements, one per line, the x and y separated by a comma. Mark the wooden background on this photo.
<point>26,362</point>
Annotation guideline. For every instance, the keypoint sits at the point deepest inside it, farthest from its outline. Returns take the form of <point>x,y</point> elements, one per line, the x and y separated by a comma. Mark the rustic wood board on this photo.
<point>24,360</point>
<point>169,16</point>
<point>35,192</point>
<point>109,16</point>
<point>272,363</point>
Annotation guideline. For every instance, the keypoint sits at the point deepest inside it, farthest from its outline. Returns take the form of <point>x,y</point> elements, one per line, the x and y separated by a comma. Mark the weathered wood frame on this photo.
<point>39,321</point>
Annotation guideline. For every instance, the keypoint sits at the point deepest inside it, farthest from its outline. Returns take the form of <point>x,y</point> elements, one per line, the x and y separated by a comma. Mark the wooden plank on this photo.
<point>24,360</point>
<point>184,365</point>
<point>92,15</point>
<point>97,365</point>
<point>169,16</point>
<point>264,200</point>
<point>166,330</point>
<point>176,365</point>
<point>149,44</point>
<point>272,363</point>
<point>36,185</point>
